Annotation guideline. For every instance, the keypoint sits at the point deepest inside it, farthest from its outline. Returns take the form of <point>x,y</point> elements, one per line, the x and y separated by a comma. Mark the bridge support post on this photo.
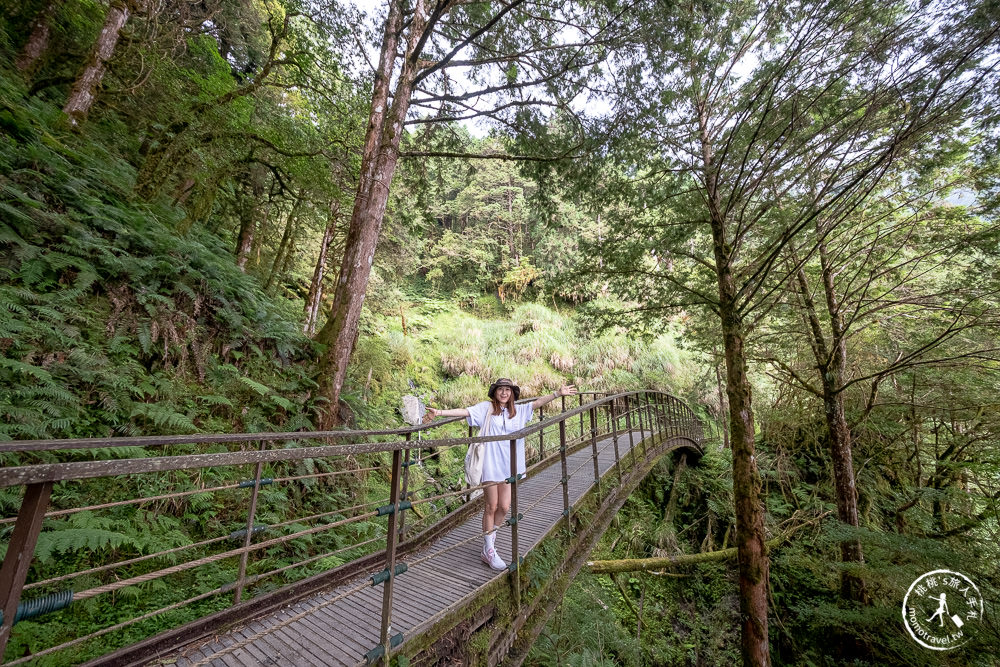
<point>251,518</point>
<point>565,474</point>
<point>390,556</point>
<point>593,447</point>
<point>514,549</point>
<point>20,551</point>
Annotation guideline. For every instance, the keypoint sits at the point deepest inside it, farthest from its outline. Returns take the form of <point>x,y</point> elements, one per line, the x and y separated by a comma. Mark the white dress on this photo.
<point>496,455</point>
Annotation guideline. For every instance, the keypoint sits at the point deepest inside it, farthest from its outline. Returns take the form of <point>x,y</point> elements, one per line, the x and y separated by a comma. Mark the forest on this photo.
<point>245,216</point>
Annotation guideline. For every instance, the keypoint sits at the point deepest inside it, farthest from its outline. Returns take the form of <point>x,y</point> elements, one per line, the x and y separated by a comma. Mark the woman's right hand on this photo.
<point>432,413</point>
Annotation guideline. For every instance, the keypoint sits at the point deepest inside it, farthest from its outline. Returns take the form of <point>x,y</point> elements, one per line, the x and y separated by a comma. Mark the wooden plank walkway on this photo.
<point>332,628</point>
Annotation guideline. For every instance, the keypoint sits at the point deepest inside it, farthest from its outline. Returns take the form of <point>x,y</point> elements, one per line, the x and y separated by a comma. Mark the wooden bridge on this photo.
<point>415,588</point>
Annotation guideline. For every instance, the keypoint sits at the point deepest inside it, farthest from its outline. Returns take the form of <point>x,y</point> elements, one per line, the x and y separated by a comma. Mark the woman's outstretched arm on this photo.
<point>565,390</point>
<point>455,412</point>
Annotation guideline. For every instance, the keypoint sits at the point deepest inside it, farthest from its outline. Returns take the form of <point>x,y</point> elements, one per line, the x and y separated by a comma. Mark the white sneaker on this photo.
<point>491,558</point>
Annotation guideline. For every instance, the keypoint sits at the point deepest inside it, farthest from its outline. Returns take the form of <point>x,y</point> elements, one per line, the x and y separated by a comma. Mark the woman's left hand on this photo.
<point>566,390</point>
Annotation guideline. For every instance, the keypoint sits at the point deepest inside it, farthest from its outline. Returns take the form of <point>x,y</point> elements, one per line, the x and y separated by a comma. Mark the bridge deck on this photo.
<point>323,630</point>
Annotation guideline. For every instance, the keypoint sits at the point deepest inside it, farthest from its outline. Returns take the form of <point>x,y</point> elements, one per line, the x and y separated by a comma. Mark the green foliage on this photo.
<point>112,321</point>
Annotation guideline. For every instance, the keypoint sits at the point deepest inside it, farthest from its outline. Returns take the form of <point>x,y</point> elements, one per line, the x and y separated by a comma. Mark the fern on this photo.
<point>53,543</point>
<point>213,399</point>
<point>164,417</point>
<point>26,369</point>
<point>261,389</point>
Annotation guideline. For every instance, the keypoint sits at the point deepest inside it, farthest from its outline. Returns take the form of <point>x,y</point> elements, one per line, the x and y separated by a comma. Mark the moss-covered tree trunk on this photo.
<point>250,217</point>
<point>750,546</point>
<point>831,362</point>
<point>852,586</point>
<point>753,559</point>
<point>38,40</point>
<point>84,91</point>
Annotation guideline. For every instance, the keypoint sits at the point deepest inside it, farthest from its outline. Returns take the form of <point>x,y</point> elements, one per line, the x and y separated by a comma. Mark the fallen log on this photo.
<point>670,562</point>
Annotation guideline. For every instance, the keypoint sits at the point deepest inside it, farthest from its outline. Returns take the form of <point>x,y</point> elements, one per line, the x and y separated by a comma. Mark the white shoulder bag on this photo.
<point>474,460</point>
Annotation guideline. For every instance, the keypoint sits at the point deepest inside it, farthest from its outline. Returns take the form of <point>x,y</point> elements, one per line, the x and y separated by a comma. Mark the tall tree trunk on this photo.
<point>752,552</point>
<point>852,586</point>
<point>753,558</point>
<point>250,219</point>
<point>84,91</point>
<point>315,296</point>
<point>284,248</point>
<point>723,402</point>
<point>378,163</point>
<point>831,362</point>
<point>38,40</point>
<point>248,227</point>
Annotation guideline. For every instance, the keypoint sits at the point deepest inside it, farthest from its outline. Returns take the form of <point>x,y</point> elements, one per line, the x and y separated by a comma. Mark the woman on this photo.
<point>505,417</point>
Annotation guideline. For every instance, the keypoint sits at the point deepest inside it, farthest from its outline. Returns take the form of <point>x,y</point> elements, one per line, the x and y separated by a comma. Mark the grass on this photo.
<point>449,356</point>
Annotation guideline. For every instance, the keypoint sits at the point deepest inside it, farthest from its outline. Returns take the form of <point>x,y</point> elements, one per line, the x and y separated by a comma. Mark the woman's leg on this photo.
<point>490,509</point>
<point>492,497</point>
<point>502,503</point>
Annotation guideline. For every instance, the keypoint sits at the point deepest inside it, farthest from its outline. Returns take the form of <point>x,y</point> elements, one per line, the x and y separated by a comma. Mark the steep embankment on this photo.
<point>114,323</point>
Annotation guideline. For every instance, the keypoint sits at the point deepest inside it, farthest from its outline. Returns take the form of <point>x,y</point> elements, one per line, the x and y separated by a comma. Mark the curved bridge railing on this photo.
<point>285,539</point>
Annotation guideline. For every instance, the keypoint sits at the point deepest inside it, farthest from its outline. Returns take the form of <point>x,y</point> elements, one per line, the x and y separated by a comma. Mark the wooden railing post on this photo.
<point>565,474</point>
<point>20,551</point>
<point>390,556</point>
<point>251,517</point>
<point>593,447</point>
<point>514,520</point>
<point>406,480</point>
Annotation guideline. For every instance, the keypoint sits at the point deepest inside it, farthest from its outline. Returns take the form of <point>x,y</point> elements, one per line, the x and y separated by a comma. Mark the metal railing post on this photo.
<point>628,427</point>
<point>514,520</point>
<point>639,417</point>
<point>663,417</point>
<point>251,517</point>
<point>390,556</point>
<point>20,551</point>
<point>673,418</point>
<point>579,404</point>
<point>614,440</point>
<point>465,483</point>
<point>565,474</point>
<point>593,447</point>
<point>650,422</point>
<point>402,494</point>
<point>541,434</point>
